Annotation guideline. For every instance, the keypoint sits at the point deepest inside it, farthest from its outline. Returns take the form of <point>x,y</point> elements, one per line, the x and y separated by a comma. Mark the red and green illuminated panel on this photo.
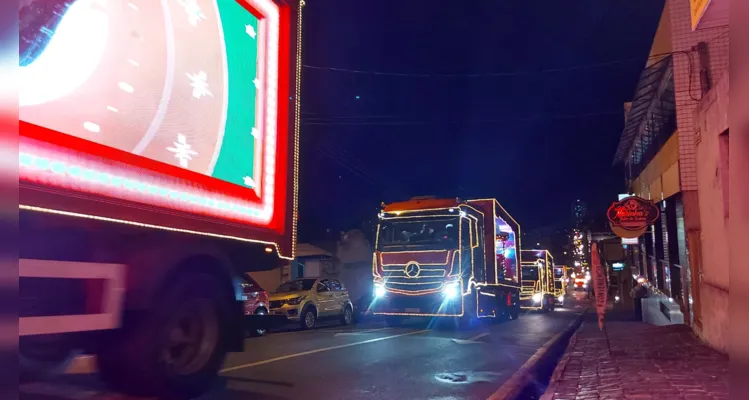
<point>166,102</point>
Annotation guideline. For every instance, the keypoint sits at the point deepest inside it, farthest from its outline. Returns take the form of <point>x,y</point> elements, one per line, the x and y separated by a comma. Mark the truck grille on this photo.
<point>412,286</point>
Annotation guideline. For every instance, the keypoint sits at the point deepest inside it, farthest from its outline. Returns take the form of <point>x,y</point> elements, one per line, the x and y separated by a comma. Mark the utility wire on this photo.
<point>488,74</point>
<point>322,121</point>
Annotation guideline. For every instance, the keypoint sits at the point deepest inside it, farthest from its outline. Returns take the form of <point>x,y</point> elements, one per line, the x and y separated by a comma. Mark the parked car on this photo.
<point>255,303</point>
<point>307,300</point>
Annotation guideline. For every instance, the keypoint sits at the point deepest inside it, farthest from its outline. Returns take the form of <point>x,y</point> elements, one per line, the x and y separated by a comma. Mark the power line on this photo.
<point>364,122</point>
<point>488,74</point>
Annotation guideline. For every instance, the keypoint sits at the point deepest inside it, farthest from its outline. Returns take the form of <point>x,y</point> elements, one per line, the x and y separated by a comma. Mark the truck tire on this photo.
<point>469,316</point>
<point>514,312</point>
<point>44,356</point>
<point>177,348</point>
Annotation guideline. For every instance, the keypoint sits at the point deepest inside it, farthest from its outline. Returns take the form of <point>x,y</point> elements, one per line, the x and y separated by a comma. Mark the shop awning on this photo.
<point>647,100</point>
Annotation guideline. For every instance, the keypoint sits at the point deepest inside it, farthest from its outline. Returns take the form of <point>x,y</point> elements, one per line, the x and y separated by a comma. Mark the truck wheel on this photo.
<point>347,318</point>
<point>514,313</point>
<point>176,350</point>
<point>308,318</point>
<point>44,355</point>
<point>469,311</point>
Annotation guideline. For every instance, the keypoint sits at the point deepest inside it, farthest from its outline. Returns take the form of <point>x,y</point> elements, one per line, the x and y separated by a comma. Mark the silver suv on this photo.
<point>306,300</point>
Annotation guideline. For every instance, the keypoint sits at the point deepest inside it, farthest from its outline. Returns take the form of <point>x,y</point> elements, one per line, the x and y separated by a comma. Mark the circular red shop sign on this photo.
<point>632,215</point>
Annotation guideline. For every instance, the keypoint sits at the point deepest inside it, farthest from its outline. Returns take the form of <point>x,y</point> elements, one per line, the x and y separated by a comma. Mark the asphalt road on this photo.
<point>366,361</point>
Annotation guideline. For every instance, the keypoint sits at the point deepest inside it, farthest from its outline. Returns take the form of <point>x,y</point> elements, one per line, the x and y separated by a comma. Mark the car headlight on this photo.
<point>538,297</point>
<point>561,299</point>
<point>295,301</point>
<point>379,290</point>
<point>451,290</point>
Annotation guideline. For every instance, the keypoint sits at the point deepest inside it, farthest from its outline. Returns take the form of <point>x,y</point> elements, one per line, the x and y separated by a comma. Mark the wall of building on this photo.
<point>687,80</point>
<point>660,178</point>
<point>710,301</point>
<point>661,46</point>
<point>711,130</point>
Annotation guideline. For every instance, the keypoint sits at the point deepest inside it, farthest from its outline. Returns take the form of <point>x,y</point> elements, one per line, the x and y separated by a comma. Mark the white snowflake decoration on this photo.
<point>256,81</point>
<point>255,133</point>
<point>199,83</point>
<point>194,13</point>
<point>182,151</point>
<point>250,30</point>
<point>249,181</point>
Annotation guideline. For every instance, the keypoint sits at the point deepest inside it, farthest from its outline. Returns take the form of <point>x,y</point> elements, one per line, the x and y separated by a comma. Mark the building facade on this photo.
<point>674,150</point>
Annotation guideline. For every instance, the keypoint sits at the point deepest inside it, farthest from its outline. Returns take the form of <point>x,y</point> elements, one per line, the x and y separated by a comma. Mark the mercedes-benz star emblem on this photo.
<point>412,270</point>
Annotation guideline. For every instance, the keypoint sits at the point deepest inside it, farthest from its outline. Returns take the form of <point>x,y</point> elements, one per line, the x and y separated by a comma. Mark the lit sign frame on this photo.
<point>56,159</point>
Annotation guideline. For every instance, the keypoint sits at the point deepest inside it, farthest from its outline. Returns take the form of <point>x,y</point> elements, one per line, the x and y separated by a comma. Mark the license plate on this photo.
<point>413,310</point>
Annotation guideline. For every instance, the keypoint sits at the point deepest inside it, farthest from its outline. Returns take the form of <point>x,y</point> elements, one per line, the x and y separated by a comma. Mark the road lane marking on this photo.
<point>305,353</point>
<point>479,336</point>
<point>463,341</point>
<point>355,333</point>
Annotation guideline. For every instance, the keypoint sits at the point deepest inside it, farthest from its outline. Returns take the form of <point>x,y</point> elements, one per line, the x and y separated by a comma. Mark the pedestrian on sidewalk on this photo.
<point>638,293</point>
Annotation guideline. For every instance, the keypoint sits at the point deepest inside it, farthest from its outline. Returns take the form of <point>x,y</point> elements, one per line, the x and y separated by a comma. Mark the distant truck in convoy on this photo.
<point>560,283</point>
<point>446,258</point>
<point>154,172</point>
<point>537,291</point>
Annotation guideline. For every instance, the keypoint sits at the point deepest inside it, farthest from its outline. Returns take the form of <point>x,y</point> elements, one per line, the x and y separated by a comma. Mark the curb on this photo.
<point>559,370</point>
<point>512,388</point>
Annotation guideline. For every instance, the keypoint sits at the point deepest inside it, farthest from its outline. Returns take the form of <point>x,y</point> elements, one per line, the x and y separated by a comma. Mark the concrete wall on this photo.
<point>711,130</point>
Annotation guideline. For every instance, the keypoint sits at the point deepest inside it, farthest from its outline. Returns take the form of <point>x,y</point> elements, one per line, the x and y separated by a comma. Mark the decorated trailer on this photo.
<point>157,165</point>
<point>446,258</point>
<point>537,291</point>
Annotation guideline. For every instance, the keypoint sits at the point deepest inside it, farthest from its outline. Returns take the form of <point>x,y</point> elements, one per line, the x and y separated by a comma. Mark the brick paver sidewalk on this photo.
<point>644,362</point>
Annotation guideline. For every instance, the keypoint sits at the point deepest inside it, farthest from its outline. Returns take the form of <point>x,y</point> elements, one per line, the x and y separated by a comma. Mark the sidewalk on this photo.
<point>645,362</point>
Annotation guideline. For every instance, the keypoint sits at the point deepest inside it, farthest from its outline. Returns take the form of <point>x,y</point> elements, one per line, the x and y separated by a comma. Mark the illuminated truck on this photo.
<point>537,291</point>
<point>560,283</point>
<point>446,258</point>
<point>157,165</point>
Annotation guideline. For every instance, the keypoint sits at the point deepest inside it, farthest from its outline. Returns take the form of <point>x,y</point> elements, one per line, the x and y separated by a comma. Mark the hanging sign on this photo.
<point>599,284</point>
<point>631,216</point>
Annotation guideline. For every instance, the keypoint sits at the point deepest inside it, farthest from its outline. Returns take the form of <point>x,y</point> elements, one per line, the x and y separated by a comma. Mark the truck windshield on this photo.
<point>298,285</point>
<point>529,273</point>
<point>439,233</point>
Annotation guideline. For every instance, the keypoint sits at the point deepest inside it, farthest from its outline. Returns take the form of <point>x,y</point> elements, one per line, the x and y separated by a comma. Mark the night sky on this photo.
<point>519,100</point>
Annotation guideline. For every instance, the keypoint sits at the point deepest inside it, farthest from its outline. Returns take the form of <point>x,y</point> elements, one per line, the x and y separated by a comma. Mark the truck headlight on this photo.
<point>538,297</point>
<point>451,291</point>
<point>561,299</point>
<point>379,290</point>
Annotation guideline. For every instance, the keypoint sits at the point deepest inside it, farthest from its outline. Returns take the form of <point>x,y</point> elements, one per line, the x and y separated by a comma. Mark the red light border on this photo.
<point>268,201</point>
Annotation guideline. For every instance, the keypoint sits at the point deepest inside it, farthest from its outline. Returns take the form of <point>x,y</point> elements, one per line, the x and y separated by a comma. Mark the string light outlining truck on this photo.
<point>537,290</point>
<point>446,258</point>
<point>158,161</point>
